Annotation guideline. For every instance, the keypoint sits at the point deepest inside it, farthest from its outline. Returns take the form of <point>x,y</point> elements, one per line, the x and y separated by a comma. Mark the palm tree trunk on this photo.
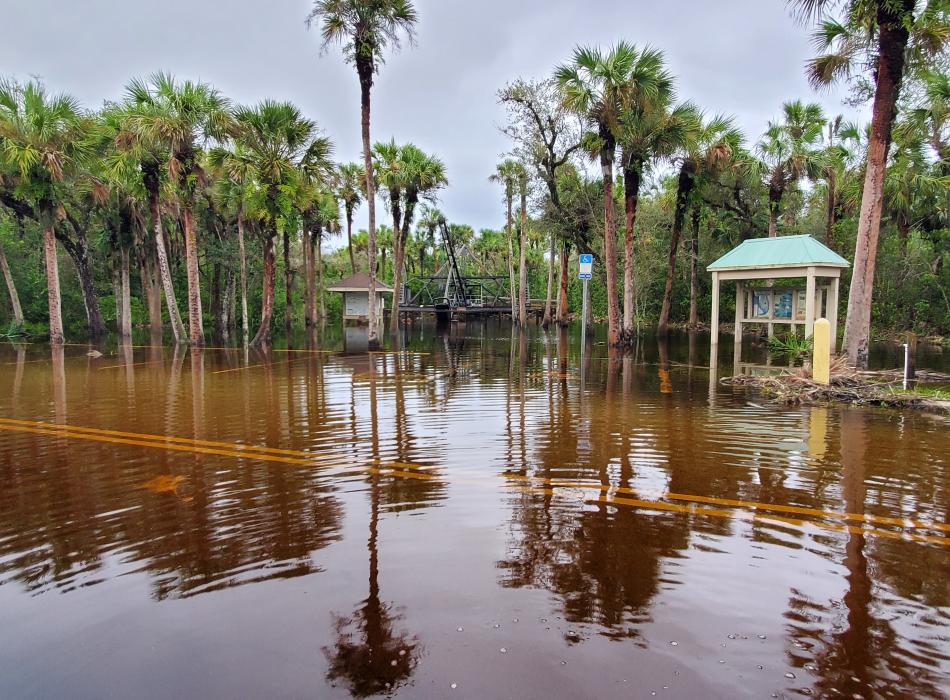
<point>522,267</point>
<point>178,328</point>
<point>830,218</point>
<point>195,325</point>
<point>513,287</point>
<point>148,277</point>
<point>308,290</point>
<point>126,291</point>
<point>892,42</point>
<point>78,251</point>
<point>631,192</point>
<point>610,236</point>
<point>263,335</point>
<point>398,263</point>
<point>694,273</point>
<point>319,245</point>
<point>562,311</point>
<point>776,190</point>
<point>288,287</point>
<point>364,69</point>
<point>683,188</point>
<point>240,228</point>
<point>11,288</point>
<point>117,295</point>
<point>546,321</point>
<point>52,286</point>
<point>349,238</point>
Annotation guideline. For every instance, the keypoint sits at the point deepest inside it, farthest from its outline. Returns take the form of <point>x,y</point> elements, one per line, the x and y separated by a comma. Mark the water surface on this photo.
<point>468,513</point>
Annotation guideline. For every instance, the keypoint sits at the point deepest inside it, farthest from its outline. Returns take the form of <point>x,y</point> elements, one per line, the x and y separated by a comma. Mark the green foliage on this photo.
<point>790,347</point>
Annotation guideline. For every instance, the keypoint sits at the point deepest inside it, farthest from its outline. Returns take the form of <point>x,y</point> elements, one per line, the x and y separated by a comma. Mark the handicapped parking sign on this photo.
<point>586,266</point>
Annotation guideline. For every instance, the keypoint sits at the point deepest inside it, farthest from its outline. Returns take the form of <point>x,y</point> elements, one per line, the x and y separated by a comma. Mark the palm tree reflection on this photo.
<point>372,655</point>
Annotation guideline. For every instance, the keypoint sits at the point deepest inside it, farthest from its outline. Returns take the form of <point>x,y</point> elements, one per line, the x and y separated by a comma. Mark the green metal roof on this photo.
<point>782,251</point>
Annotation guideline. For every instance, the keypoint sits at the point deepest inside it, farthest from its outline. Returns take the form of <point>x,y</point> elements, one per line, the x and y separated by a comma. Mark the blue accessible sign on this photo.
<point>586,266</point>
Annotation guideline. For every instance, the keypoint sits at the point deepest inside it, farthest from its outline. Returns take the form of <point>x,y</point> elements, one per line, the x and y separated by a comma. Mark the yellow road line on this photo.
<point>134,364</point>
<point>342,467</point>
<point>744,515</point>
<point>263,364</point>
<point>755,505</point>
<point>306,458</point>
<point>310,456</point>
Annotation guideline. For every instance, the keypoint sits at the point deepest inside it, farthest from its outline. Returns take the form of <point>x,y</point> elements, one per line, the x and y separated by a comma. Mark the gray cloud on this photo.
<point>740,57</point>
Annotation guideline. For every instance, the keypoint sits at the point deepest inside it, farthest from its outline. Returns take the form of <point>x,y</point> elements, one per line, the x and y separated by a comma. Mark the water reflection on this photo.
<point>472,471</point>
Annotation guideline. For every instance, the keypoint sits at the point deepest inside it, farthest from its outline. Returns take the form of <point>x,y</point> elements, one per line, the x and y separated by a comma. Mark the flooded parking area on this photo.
<point>466,513</point>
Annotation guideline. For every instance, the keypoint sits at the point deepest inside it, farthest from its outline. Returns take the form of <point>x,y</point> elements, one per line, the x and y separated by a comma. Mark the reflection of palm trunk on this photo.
<point>18,376</point>
<point>857,638</point>
<point>59,383</point>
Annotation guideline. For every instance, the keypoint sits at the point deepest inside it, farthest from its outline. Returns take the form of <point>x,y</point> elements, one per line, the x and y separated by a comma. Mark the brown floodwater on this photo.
<point>465,514</point>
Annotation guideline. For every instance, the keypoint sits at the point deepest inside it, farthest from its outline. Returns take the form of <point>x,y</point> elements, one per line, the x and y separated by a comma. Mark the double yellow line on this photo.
<point>681,503</point>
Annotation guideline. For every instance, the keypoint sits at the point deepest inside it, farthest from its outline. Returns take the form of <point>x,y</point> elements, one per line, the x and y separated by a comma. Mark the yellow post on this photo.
<point>821,351</point>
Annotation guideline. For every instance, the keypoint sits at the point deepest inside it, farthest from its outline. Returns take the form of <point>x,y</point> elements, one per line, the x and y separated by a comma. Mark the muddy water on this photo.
<point>468,515</point>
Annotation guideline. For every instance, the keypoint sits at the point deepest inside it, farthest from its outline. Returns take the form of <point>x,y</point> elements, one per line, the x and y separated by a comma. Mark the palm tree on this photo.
<point>275,144</point>
<point>351,181</point>
<point>150,156</point>
<point>791,151</point>
<point>522,248</point>
<point>45,139</point>
<point>237,192</point>
<point>178,116</point>
<point>422,176</point>
<point>508,172</point>
<point>365,28</point>
<point>933,115</point>
<point>882,34</point>
<point>710,145</point>
<point>650,131</point>
<point>596,85</point>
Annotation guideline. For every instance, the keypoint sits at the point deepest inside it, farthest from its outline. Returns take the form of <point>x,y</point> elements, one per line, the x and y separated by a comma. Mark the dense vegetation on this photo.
<point>175,209</point>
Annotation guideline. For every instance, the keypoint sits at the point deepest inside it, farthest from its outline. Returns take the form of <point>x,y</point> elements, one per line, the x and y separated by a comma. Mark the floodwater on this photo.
<point>470,515</point>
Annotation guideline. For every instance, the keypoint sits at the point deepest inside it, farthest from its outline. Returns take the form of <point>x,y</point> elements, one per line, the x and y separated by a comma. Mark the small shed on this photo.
<point>783,257</point>
<point>355,291</point>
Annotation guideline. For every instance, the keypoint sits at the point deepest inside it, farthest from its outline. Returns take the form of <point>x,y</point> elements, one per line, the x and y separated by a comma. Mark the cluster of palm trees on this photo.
<point>625,100</point>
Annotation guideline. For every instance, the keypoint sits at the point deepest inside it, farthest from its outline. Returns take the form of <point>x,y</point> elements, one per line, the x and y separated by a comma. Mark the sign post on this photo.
<point>586,264</point>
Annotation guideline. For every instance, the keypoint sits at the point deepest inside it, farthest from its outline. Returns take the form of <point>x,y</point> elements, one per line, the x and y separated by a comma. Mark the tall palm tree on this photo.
<point>45,140</point>
<point>365,28</point>
<point>932,113</point>
<point>422,176</point>
<point>882,34</point>
<point>710,146</point>
<point>596,85</point>
<point>651,130</point>
<point>791,149</point>
<point>238,193</point>
<point>179,117</point>
<point>508,173</point>
<point>150,155</point>
<point>351,182</point>
<point>523,248</point>
<point>275,143</point>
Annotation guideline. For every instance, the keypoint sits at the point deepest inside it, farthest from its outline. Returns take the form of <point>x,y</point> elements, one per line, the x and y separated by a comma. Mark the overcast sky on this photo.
<point>741,57</point>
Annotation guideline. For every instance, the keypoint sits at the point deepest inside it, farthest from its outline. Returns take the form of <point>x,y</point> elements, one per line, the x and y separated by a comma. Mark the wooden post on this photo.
<point>740,298</point>
<point>821,351</point>
<point>714,321</point>
<point>831,314</point>
<point>810,303</point>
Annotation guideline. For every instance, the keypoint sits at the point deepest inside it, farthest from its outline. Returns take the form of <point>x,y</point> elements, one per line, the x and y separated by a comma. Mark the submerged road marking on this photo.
<point>134,364</point>
<point>299,457</point>
<point>754,505</point>
<point>743,515</point>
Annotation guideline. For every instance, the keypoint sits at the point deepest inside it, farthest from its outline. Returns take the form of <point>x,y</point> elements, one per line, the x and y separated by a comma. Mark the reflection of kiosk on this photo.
<point>355,291</point>
<point>784,258</point>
